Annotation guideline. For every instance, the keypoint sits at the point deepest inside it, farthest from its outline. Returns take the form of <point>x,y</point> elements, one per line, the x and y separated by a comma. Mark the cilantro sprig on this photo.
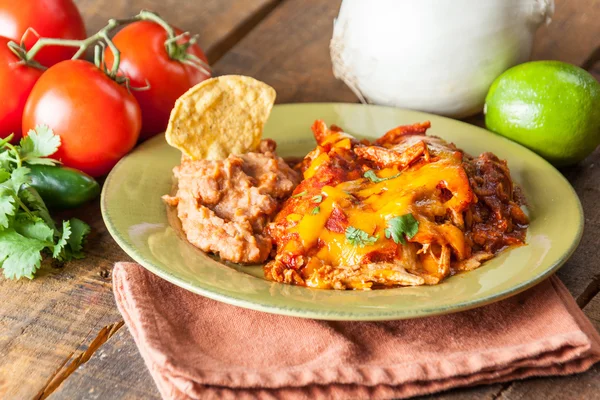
<point>358,237</point>
<point>397,227</point>
<point>301,194</point>
<point>370,174</point>
<point>27,231</point>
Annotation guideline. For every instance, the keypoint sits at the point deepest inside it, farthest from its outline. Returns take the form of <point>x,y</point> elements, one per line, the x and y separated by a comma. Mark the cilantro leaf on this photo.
<point>303,193</point>
<point>4,175</point>
<point>31,198</point>
<point>358,237</point>
<point>370,174</point>
<point>318,198</point>
<point>60,245</point>
<point>6,160</point>
<point>79,231</point>
<point>18,178</point>
<point>39,143</point>
<point>7,208</point>
<point>19,256</point>
<point>33,227</point>
<point>397,227</point>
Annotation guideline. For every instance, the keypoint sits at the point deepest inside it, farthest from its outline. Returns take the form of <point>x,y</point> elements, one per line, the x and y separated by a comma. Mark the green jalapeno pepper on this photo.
<point>62,187</point>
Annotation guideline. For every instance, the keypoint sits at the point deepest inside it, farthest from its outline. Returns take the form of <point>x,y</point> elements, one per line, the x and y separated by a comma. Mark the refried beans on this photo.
<point>224,205</point>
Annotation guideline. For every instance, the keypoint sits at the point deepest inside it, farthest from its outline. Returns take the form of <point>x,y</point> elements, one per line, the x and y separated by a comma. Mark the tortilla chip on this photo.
<point>220,116</point>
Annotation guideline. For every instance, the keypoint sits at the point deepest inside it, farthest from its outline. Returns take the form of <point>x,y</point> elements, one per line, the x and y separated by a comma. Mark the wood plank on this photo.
<point>580,274</point>
<point>583,386</point>
<point>214,21</point>
<point>105,376</point>
<point>592,310</point>
<point>52,324</point>
<point>573,34</point>
<point>592,64</point>
<point>45,323</point>
<point>289,50</point>
<point>472,393</point>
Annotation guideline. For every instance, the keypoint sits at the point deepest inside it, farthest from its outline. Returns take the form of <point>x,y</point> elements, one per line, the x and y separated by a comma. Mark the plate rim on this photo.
<point>379,315</point>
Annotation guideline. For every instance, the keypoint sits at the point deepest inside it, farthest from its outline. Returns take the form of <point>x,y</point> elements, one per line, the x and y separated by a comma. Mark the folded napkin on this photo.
<point>199,348</point>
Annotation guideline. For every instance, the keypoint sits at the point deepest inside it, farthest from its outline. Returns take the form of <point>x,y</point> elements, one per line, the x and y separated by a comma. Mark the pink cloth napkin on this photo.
<point>199,348</point>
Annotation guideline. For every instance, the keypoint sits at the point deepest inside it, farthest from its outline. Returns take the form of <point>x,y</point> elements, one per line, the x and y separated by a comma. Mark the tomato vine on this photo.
<point>176,49</point>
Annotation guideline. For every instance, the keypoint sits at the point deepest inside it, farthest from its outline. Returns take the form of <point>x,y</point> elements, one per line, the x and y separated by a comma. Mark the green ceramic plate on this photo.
<point>137,219</point>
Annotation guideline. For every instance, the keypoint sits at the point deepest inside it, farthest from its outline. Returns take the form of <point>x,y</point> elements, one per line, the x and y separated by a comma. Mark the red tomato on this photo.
<point>16,82</point>
<point>97,119</point>
<point>145,59</point>
<point>49,18</point>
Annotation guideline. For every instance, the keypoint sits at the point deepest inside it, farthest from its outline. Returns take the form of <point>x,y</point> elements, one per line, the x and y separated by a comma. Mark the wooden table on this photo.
<point>61,334</point>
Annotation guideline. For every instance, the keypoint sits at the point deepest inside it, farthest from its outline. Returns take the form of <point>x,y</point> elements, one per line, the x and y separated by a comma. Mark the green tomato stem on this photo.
<point>175,51</point>
<point>6,140</point>
<point>15,153</point>
<point>170,45</point>
<point>97,55</point>
<point>116,55</point>
<point>83,44</point>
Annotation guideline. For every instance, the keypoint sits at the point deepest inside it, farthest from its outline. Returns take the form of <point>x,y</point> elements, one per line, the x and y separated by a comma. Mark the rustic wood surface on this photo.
<point>61,334</point>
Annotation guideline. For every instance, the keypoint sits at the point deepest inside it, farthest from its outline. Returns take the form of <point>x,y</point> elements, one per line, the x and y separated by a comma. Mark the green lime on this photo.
<point>551,107</point>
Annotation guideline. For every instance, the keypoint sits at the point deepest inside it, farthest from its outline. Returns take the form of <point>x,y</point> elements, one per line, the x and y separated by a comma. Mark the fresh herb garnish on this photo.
<point>315,210</point>
<point>38,145</point>
<point>303,193</point>
<point>370,174</point>
<point>358,237</point>
<point>397,227</point>
<point>27,231</point>
<point>318,198</point>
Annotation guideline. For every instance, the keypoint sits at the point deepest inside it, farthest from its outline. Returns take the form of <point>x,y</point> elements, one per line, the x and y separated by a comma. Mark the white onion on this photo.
<point>439,56</point>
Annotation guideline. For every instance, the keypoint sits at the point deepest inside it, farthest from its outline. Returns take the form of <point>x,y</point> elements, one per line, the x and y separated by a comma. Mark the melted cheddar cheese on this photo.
<point>412,177</point>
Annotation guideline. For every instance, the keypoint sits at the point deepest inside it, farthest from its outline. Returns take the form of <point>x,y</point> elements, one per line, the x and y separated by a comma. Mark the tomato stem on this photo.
<point>175,50</point>
<point>15,153</point>
<point>82,45</point>
<point>20,52</point>
<point>98,55</point>
<point>116,53</point>
<point>150,16</point>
